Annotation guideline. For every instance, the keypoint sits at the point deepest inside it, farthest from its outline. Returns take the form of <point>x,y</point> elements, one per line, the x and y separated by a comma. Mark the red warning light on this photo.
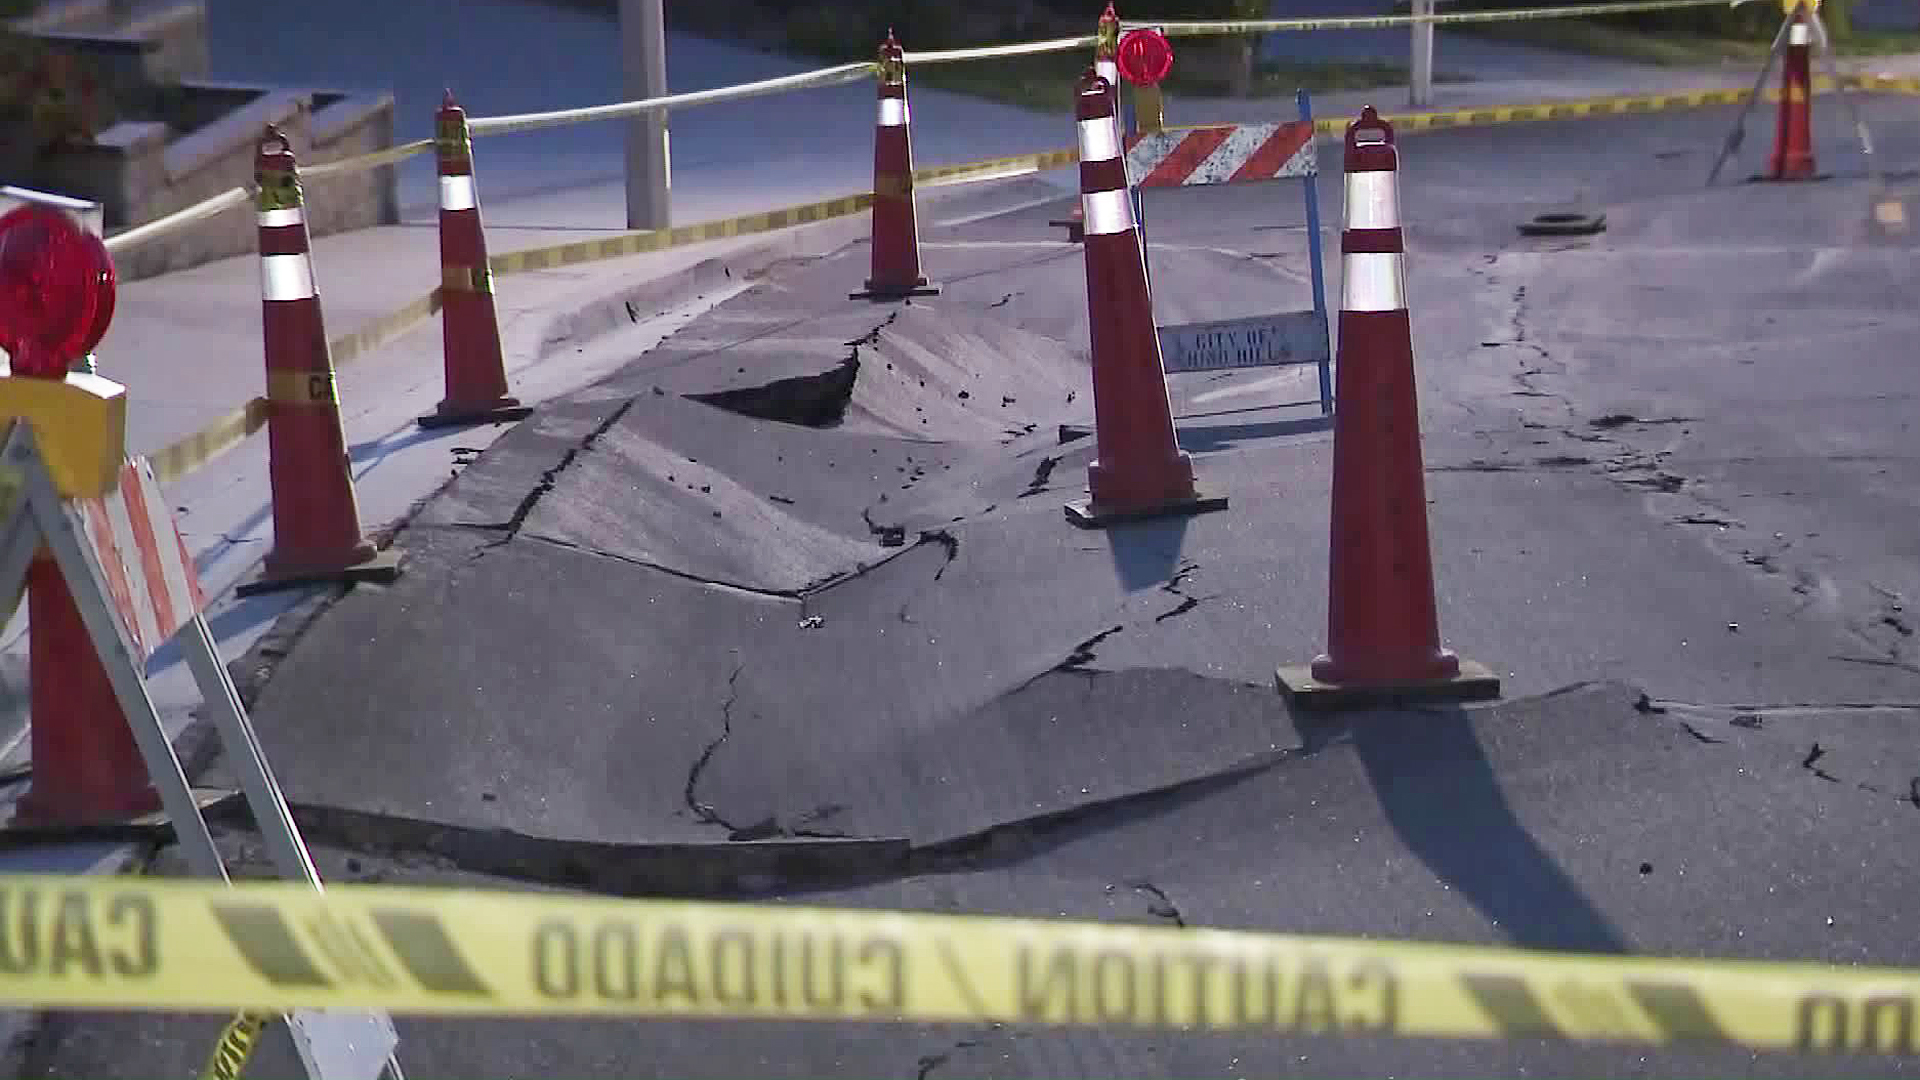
<point>56,291</point>
<point>1145,57</point>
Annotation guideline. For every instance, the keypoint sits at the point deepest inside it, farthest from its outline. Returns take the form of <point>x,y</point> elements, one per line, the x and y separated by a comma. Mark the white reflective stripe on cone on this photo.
<point>286,277</point>
<point>456,193</point>
<point>274,219</point>
<point>893,112</point>
<point>1373,201</point>
<point>1099,139</point>
<point>1104,213</point>
<point>1800,34</point>
<point>1371,281</point>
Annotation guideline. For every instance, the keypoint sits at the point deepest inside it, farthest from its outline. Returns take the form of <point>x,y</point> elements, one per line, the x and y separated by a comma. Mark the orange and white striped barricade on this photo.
<point>120,562</point>
<point>109,582</point>
<point>1235,154</point>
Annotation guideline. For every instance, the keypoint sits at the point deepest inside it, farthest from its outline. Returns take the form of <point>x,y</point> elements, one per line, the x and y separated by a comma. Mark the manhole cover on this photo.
<point>1564,224</point>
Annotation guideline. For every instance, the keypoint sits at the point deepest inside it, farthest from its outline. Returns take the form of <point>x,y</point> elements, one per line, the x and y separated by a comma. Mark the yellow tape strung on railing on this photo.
<point>363,162</point>
<point>123,943</point>
<point>1378,22</point>
<point>235,197</point>
<point>227,200</point>
<point>991,52</point>
<point>806,80</point>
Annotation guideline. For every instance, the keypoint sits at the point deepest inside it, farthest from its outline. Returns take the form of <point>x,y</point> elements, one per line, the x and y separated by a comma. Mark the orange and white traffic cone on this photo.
<point>470,327</point>
<point>1106,63</point>
<point>316,518</point>
<point>1792,157</point>
<point>87,768</point>
<point>896,235</point>
<point>1140,471</point>
<point>1383,630</point>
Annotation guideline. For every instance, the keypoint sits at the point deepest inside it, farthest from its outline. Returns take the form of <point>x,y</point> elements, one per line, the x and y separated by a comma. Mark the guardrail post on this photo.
<point>643,56</point>
<point>1420,89</point>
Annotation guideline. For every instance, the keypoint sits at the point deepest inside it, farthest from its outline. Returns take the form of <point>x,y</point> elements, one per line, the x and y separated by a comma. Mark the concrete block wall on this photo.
<point>140,172</point>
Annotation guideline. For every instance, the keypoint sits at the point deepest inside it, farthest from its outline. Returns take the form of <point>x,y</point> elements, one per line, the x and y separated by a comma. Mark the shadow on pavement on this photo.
<point>1145,554</point>
<point>1209,438</point>
<point>1439,794</point>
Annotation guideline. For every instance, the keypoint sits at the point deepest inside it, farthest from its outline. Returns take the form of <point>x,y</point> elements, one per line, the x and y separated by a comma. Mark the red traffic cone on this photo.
<point>316,518</point>
<point>470,328</point>
<point>1384,636</point>
<point>1792,157</point>
<point>1140,472</point>
<point>896,236</point>
<point>87,768</point>
<point>1106,63</point>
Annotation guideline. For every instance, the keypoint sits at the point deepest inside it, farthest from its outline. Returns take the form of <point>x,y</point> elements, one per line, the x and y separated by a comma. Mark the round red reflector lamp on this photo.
<point>1144,57</point>
<point>56,291</point>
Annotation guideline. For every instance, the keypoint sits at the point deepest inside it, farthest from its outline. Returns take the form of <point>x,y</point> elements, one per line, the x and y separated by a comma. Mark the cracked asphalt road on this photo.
<point>656,642</point>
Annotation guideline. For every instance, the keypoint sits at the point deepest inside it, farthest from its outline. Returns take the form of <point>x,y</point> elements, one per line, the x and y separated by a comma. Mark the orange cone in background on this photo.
<point>316,518</point>
<point>1140,471</point>
<point>470,328</point>
<point>1792,157</point>
<point>1106,63</point>
<point>896,237</point>
<point>1383,630</point>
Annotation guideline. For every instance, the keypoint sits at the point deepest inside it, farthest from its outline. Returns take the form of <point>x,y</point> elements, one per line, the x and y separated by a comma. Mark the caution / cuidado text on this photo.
<point>273,947</point>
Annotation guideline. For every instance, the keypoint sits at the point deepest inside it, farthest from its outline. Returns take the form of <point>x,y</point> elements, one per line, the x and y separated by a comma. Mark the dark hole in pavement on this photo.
<point>816,401</point>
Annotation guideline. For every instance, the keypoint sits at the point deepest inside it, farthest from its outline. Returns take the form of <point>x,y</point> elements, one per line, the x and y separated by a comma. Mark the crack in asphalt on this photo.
<point>768,829</point>
<point>946,539</point>
<point>551,476</point>
<point>1161,906</point>
<point>1883,631</point>
<point>1175,586</point>
<point>1699,735</point>
<point>872,337</point>
<point>704,813</point>
<point>1814,755</point>
<point>1185,606</point>
<point>797,596</point>
<point>1082,654</point>
<point>1041,474</point>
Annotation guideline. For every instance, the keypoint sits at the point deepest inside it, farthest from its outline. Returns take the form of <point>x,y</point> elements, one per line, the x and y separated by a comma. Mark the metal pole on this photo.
<point>1130,108</point>
<point>1739,133</point>
<point>1420,90</point>
<point>1314,258</point>
<point>643,61</point>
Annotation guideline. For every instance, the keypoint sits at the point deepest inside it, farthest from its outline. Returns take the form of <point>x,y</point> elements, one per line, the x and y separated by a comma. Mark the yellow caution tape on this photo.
<point>1048,159</point>
<point>219,204</point>
<point>994,52</point>
<point>193,451</point>
<point>637,243</point>
<point>806,80</point>
<point>231,1053</point>
<point>182,457</point>
<point>1379,22</point>
<point>195,946</point>
<point>362,162</point>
